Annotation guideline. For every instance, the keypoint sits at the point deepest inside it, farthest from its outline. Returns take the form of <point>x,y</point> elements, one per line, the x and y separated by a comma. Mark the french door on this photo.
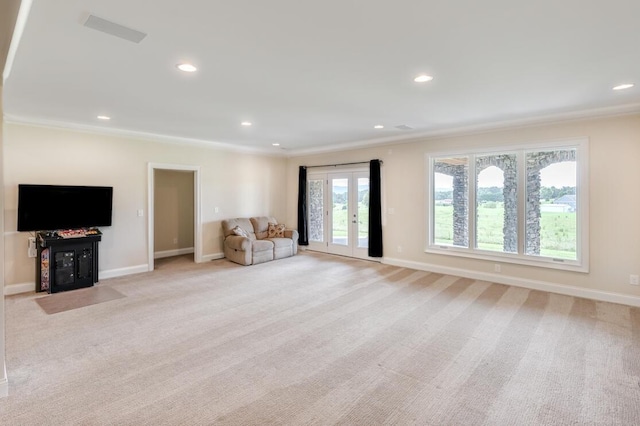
<point>339,213</point>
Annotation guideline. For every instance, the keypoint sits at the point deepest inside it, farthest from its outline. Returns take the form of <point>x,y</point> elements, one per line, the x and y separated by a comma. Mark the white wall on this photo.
<point>238,184</point>
<point>4,385</point>
<point>243,185</point>
<point>614,210</point>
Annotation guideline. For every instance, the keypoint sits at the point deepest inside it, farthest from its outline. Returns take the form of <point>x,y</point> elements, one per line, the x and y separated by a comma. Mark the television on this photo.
<point>53,207</point>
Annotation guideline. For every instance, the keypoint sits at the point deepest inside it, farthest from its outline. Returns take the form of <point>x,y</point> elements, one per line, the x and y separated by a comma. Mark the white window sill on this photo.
<point>540,262</point>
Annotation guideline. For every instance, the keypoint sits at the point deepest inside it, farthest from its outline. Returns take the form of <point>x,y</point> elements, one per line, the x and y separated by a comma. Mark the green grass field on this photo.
<point>341,219</point>
<point>558,234</point>
<point>558,237</point>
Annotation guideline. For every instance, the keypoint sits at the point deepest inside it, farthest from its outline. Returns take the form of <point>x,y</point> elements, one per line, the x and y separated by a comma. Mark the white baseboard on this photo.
<point>566,290</point>
<point>120,272</point>
<point>210,257</point>
<point>12,289</point>
<point>171,253</point>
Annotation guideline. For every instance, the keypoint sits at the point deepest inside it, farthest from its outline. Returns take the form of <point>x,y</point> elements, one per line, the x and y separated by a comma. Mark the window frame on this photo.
<point>581,264</point>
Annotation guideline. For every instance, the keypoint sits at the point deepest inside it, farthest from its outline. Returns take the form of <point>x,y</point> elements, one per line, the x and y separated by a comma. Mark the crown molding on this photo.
<point>474,129</point>
<point>137,135</point>
<point>444,132</point>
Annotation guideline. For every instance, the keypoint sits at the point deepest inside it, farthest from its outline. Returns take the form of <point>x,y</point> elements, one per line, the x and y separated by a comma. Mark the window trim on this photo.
<point>581,264</point>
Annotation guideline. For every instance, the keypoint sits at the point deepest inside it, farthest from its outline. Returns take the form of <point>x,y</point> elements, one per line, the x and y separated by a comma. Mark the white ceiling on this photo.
<point>314,75</point>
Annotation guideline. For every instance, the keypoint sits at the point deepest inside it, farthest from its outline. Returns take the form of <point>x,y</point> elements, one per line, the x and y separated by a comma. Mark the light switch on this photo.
<point>140,212</point>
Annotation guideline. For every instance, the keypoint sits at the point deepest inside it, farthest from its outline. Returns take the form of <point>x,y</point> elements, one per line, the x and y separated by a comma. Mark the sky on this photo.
<point>558,175</point>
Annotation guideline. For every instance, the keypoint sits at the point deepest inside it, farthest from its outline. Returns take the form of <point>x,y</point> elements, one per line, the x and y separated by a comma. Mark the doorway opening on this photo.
<point>174,213</point>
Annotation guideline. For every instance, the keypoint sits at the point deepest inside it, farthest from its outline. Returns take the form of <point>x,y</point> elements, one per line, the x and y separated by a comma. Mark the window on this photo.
<point>451,179</point>
<point>551,209</point>
<point>497,202</point>
<point>523,205</point>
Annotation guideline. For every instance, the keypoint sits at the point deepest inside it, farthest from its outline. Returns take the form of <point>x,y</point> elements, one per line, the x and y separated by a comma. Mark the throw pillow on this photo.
<point>276,230</point>
<point>240,232</point>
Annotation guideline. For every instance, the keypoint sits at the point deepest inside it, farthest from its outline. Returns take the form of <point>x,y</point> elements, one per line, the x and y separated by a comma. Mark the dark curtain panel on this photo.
<point>375,210</point>
<point>303,238</point>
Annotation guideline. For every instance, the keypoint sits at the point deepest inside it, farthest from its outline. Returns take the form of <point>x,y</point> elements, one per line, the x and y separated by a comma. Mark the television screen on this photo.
<point>52,207</point>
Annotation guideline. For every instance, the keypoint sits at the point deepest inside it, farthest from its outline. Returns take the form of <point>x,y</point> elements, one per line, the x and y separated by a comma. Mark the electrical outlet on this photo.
<point>634,280</point>
<point>497,267</point>
<point>399,249</point>
<point>216,209</point>
<point>175,241</point>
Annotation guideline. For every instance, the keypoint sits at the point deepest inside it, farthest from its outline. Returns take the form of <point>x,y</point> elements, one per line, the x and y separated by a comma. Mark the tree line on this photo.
<point>494,194</point>
<point>341,197</point>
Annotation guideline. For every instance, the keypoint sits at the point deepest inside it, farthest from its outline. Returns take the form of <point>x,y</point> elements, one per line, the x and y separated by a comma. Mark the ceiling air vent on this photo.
<point>114,29</point>
<point>404,127</point>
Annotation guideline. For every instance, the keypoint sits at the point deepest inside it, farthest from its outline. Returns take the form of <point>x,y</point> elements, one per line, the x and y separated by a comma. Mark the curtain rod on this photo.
<point>340,164</point>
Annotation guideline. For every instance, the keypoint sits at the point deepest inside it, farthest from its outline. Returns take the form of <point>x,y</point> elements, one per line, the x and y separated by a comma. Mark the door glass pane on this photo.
<point>316,209</point>
<point>340,216</point>
<point>363,212</point>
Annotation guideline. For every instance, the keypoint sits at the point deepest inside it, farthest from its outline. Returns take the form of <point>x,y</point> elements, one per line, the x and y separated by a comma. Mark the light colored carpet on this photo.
<point>67,300</point>
<point>318,340</point>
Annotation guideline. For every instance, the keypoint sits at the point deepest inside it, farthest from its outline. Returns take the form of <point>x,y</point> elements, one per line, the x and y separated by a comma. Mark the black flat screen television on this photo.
<point>52,207</point>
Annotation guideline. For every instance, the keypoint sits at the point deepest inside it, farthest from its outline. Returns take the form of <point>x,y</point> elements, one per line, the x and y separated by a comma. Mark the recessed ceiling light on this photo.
<point>246,123</point>
<point>275,144</point>
<point>624,86</point>
<point>187,67</point>
<point>423,78</point>
<point>379,126</point>
<point>103,117</point>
